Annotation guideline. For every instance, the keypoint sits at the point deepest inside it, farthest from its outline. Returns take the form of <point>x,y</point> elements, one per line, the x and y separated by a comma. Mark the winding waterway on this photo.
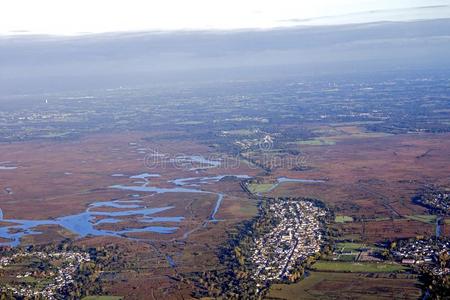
<point>86,223</point>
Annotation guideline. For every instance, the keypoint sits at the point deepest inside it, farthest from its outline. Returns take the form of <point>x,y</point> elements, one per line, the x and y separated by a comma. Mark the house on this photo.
<point>408,261</point>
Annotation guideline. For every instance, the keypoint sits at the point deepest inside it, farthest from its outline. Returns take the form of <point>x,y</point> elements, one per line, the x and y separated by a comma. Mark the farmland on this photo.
<point>357,267</point>
<point>257,188</point>
<point>343,219</point>
<point>320,285</point>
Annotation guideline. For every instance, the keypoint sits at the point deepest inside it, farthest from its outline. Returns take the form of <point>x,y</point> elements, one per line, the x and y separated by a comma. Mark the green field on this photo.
<point>343,219</point>
<point>354,246</point>
<point>363,267</point>
<point>102,298</point>
<point>322,285</point>
<point>348,257</point>
<point>350,246</point>
<point>429,219</point>
<point>257,188</point>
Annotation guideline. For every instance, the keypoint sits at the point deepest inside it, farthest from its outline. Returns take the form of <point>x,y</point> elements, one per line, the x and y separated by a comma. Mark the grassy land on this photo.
<point>429,219</point>
<point>355,246</point>
<point>102,298</point>
<point>348,257</point>
<point>320,285</point>
<point>350,246</point>
<point>249,209</point>
<point>256,188</point>
<point>343,219</point>
<point>363,267</point>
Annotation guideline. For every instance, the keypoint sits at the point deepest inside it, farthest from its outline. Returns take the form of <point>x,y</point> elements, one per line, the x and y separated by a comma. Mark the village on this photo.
<point>297,235</point>
<point>435,199</point>
<point>62,268</point>
<point>432,254</point>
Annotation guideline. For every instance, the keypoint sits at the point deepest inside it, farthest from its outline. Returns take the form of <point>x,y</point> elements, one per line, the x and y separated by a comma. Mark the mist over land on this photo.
<point>35,64</point>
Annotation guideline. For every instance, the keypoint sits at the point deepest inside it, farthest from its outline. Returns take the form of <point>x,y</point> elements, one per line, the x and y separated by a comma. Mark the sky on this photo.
<point>73,17</point>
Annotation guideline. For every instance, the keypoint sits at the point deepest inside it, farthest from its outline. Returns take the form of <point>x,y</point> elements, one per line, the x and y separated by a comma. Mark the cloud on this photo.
<point>398,14</point>
<point>111,60</point>
<point>71,17</point>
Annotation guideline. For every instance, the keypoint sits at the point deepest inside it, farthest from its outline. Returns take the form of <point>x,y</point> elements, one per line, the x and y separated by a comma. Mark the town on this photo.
<point>276,246</point>
<point>296,236</point>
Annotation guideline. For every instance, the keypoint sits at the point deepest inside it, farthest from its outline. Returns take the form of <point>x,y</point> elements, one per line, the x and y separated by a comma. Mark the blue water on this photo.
<point>204,180</point>
<point>153,189</point>
<point>145,186</point>
<point>216,207</point>
<point>145,176</point>
<point>7,168</point>
<point>438,227</point>
<point>171,262</point>
<point>85,223</point>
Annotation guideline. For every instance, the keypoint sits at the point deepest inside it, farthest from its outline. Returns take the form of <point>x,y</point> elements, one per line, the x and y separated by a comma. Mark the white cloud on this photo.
<point>75,16</point>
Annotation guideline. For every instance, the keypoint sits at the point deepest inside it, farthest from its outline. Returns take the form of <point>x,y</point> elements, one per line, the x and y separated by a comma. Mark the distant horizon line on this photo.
<point>26,33</point>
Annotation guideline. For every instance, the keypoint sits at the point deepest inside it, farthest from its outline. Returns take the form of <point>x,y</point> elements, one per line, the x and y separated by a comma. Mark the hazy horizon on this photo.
<point>42,64</point>
<point>50,17</point>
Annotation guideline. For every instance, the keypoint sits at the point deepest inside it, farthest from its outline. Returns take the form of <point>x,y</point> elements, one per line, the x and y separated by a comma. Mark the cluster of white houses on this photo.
<point>298,235</point>
<point>60,278</point>
<point>424,251</point>
<point>435,199</point>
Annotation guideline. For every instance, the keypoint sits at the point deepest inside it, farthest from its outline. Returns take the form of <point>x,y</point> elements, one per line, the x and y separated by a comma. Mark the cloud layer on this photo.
<point>80,16</point>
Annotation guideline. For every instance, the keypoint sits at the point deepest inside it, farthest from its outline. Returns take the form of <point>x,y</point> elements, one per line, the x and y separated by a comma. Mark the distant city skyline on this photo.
<point>70,17</point>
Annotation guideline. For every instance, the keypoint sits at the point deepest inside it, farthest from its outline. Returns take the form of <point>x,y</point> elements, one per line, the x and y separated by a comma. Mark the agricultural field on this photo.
<point>350,246</point>
<point>321,285</point>
<point>258,188</point>
<point>428,219</point>
<point>357,267</point>
<point>343,219</point>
